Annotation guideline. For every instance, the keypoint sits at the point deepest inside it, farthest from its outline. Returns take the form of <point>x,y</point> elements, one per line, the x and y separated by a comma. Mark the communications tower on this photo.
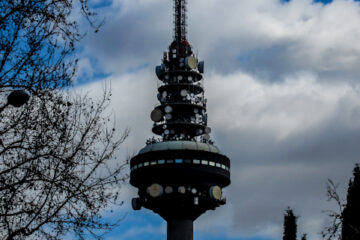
<point>181,174</point>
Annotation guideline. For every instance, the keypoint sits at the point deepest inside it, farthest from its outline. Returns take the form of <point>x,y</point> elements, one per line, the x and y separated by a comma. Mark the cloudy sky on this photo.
<point>283,89</point>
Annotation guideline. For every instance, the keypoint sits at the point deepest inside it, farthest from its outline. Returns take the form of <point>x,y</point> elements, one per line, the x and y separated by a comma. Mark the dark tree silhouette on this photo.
<point>57,172</point>
<point>333,230</point>
<point>351,213</point>
<point>345,222</point>
<point>37,38</point>
<point>55,169</point>
<point>304,237</point>
<point>290,226</point>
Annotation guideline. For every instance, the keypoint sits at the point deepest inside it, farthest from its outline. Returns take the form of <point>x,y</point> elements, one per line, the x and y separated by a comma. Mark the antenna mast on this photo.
<point>180,20</point>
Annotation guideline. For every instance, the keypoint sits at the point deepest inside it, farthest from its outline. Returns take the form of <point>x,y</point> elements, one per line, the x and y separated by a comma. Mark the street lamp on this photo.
<point>16,98</point>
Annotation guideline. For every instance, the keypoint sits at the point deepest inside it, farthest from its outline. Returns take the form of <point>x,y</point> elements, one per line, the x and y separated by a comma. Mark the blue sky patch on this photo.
<point>322,1</point>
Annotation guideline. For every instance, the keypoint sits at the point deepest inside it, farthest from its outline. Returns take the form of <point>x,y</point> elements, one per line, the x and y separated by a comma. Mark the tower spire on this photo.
<point>180,20</point>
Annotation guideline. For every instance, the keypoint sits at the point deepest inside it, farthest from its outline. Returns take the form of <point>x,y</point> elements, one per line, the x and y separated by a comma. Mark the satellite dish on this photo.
<point>188,97</point>
<point>136,203</point>
<point>155,190</point>
<point>183,93</point>
<point>182,189</point>
<point>190,78</point>
<point>180,77</point>
<point>205,118</point>
<point>201,66</point>
<point>191,62</point>
<point>168,190</point>
<point>159,71</point>
<point>166,132</point>
<point>168,116</point>
<point>196,110</point>
<point>164,126</point>
<point>168,109</point>
<point>167,77</point>
<point>207,130</point>
<point>164,94</point>
<point>216,193</point>
<point>206,137</point>
<point>156,115</point>
<point>199,131</point>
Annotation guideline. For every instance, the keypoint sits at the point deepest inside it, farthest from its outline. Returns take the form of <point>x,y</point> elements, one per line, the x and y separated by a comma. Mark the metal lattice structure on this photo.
<point>180,20</point>
<point>180,174</point>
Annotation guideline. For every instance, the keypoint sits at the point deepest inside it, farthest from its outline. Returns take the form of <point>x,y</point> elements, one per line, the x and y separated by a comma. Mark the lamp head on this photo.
<point>17,98</point>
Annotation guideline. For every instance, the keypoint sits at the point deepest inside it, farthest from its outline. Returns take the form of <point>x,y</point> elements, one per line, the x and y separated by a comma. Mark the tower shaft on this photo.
<point>180,229</point>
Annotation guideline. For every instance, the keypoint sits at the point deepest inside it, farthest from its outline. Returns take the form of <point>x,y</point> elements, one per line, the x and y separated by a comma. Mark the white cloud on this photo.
<point>298,104</point>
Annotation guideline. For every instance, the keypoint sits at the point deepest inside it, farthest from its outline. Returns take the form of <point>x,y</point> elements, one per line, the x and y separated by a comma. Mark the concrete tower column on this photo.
<point>180,229</point>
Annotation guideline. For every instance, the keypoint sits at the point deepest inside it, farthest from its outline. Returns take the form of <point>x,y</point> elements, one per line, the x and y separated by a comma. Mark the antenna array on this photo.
<point>180,18</point>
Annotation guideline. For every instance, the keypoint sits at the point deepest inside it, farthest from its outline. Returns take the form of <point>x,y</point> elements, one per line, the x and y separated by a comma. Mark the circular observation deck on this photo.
<point>180,162</point>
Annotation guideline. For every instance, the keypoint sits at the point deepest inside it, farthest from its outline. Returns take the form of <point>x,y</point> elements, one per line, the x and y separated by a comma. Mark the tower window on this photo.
<point>204,162</point>
<point>178,161</point>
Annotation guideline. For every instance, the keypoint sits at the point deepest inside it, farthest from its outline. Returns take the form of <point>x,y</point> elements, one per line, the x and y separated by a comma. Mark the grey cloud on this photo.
<point>272,170</point>
<point>281,155</point>
<point>134,36</point>
<point>265,38</point>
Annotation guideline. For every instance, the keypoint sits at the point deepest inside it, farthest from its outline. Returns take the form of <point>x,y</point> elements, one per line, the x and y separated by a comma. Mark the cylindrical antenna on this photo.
<point>180,20</point>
